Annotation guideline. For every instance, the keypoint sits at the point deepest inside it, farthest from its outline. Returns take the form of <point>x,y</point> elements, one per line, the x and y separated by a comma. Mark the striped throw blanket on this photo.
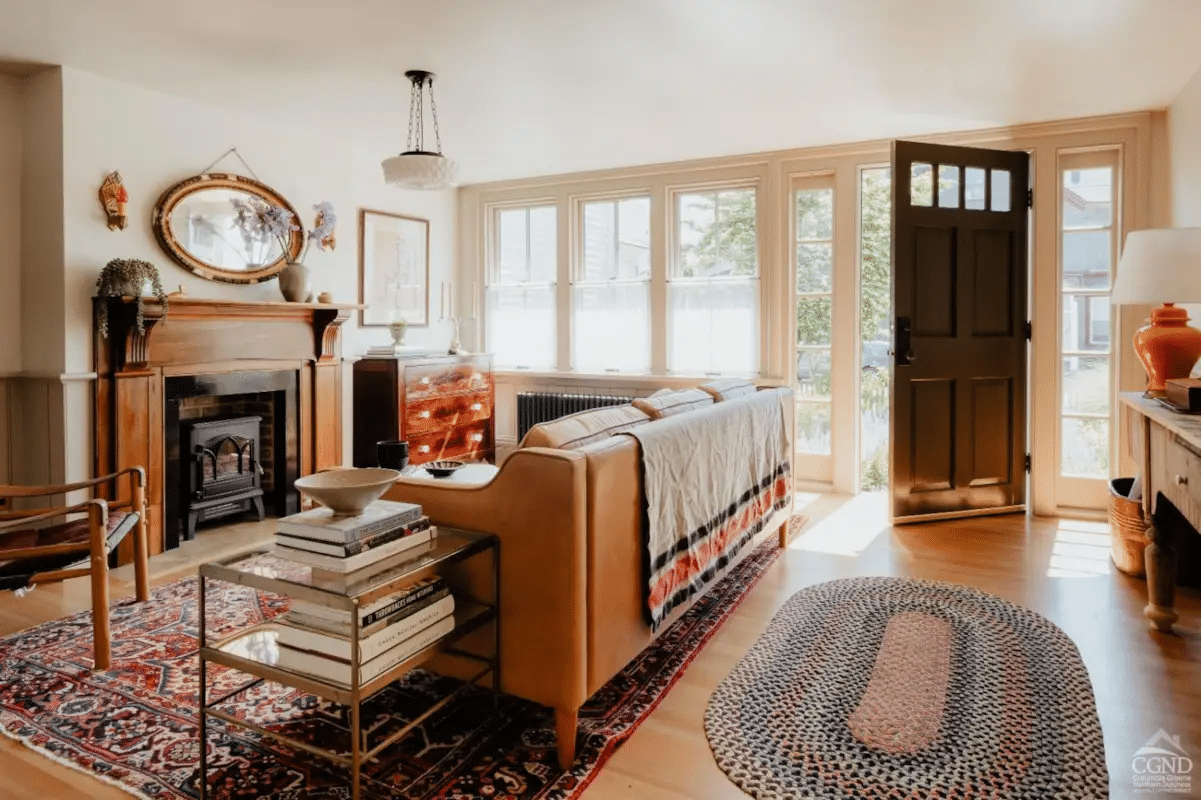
<point>711,479</point>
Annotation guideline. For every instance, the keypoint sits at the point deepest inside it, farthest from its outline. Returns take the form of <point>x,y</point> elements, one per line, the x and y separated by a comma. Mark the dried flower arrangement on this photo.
<point>126,277</point>
<point>261,221</point>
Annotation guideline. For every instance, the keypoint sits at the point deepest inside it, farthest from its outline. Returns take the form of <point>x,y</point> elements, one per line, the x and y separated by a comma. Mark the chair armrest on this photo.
<point>137,478</point>
<point>23,522</point>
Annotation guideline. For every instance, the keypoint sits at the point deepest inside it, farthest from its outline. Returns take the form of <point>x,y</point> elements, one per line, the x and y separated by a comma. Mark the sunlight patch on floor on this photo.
<point>848,530</point>
<point>1081,550</point>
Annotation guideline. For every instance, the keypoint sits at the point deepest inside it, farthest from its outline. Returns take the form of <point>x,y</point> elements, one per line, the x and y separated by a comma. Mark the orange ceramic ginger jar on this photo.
<point>1168,347</point>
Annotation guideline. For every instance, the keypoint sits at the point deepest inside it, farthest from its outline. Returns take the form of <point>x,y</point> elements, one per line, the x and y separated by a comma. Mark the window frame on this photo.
<point>492,269</point>
<point>576,267</point>
<point>673,257</point>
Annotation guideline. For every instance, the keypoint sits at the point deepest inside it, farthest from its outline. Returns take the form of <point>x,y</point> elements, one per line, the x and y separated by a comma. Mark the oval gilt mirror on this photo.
<point>195,222</point>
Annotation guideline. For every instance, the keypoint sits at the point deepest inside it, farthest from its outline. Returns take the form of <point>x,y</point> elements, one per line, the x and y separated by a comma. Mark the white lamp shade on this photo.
<point>1159,266</point>
<point>417,170</point>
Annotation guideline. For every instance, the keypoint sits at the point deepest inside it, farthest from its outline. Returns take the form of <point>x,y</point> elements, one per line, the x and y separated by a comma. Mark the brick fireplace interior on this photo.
<point>271,396</point>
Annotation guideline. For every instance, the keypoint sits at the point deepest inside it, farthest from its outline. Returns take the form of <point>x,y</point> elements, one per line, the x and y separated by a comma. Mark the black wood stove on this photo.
<point>223,468</point>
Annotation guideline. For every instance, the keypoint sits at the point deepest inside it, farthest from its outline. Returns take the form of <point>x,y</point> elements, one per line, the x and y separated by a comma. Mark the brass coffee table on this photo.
<point>254,650</point>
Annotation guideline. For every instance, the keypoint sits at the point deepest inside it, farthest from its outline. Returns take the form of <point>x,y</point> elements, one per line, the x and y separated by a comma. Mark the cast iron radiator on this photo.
<point>535,407</point>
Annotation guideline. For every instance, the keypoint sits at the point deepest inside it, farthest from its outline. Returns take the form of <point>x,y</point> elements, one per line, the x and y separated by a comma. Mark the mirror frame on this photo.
<point>173,196</point>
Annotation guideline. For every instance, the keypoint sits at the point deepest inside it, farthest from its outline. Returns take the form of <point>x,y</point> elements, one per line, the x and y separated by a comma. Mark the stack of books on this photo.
<point>345,554</point>
<point>402,351</point>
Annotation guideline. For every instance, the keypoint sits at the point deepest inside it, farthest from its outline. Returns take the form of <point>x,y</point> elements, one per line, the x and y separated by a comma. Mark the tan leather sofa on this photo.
<point>571,593</point>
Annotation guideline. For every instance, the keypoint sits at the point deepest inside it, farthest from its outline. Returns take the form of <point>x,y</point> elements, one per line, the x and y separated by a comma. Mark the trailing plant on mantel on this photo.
<point>127,277</point>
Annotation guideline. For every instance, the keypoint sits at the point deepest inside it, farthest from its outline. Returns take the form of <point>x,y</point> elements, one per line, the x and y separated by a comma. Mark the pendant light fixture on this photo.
<point>416,167</point>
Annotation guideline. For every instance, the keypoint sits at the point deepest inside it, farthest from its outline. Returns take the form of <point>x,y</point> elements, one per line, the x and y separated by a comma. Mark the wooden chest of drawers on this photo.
<point>441,406</point>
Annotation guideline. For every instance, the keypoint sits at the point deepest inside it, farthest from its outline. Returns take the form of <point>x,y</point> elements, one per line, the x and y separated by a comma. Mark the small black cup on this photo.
<point>392,453</point>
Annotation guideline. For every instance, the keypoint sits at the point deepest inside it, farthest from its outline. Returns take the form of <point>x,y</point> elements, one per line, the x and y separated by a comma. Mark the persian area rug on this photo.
<point>897,688</point>
<point>136,724</point>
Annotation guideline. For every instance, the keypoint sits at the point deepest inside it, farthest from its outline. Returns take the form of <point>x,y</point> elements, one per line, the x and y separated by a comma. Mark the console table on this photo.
<point>1168,447</point>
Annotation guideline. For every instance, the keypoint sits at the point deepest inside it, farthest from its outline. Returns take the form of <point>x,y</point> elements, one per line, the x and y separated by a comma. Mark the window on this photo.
<point>521,288</point>
<point>1087,257</point>
<point>814,286</point>
<point>875,322</point>
<point>713,284</point>
<point>610,295</point>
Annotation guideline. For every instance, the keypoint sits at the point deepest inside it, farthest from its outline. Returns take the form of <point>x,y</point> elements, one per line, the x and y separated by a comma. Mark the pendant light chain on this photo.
<point>434,114</point>
<point>413,93</point>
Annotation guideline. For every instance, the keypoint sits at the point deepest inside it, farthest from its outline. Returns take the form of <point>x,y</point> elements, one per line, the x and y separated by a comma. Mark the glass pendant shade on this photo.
<point>420,170</point>
<point>416,167</point>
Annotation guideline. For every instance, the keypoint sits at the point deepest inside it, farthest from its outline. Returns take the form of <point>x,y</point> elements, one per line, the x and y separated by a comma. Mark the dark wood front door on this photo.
<point>959,253</point>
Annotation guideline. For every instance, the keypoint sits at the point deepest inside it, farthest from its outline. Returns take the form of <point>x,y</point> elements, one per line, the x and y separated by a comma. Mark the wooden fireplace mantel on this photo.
<point>200,336</point>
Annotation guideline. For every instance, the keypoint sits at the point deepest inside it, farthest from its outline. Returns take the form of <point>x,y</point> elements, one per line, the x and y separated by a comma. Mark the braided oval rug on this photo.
<point>900,688</point>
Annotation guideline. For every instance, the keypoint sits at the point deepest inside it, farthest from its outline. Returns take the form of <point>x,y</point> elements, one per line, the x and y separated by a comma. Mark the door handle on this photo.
<point>903,349</point>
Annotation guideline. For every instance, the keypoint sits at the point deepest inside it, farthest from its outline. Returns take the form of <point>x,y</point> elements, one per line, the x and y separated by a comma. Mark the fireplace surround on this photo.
<point>206,348</point>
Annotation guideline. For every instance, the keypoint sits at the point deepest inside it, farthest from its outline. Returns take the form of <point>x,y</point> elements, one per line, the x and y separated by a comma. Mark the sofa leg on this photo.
<point>565,729</point>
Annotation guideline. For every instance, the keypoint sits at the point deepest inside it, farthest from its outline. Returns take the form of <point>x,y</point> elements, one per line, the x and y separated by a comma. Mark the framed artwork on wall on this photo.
<point>394,269</point>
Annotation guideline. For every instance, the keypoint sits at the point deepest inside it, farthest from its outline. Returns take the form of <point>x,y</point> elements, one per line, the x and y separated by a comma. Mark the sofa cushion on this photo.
<point>675,403</point>
<point>728,388</point>
<point>584,427</point>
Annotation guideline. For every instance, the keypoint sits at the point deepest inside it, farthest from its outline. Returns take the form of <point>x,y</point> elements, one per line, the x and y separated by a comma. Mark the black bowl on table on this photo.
<point>443,468</point>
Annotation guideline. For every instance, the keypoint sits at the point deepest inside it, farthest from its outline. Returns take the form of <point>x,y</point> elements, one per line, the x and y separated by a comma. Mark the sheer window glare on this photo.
<point>1086,261</point>
<point>713,288</point>
<point>814,282</point>
<point>611,295</point>
<point>521,292</point>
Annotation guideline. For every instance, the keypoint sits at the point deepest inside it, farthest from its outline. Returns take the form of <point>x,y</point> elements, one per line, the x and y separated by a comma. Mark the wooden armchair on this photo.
<point>35,549</point>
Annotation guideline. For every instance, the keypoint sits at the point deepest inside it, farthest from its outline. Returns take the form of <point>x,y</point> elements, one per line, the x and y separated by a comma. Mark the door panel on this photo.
<point>960,299</point>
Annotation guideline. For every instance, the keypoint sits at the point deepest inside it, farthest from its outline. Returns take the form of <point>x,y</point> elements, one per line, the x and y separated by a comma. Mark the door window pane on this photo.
<point>1087,257</point>
<point>974,184</point>
<point>813,320</point>
<point>921,184</point>
<point>815,266</point>
<point>1000,190</point>
<point>1086,385</point>
<point>1085,323</point>
<point>813,428</point>
<point>1085,450</point>
<point>815,215</point>
<point>813,373</point>
<point>1088,198</point>
<point>948,186</point>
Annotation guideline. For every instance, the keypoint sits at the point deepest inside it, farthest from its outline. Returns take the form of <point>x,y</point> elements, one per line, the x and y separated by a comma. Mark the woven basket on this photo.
<point>1128,539</point>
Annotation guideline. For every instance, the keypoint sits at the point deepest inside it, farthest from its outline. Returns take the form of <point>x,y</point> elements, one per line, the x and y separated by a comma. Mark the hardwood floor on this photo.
<point>1143,681</point>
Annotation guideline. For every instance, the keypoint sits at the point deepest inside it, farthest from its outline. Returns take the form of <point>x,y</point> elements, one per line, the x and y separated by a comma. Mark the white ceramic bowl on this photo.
<point>348,491</point>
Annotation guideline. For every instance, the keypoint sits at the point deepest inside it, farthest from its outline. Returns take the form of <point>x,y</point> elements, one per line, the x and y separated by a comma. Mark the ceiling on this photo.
<point>535,87</point>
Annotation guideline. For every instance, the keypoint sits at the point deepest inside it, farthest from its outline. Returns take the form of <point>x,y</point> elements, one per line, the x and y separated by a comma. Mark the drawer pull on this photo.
<point>1182,480</point>
<point>477,437</point>
<point>425,448</point>
<point>426,381</point>
<point>424,415</point>
<point>476,406</point>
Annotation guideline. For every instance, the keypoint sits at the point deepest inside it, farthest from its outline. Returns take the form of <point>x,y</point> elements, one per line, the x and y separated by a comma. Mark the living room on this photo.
<point>650,197</point>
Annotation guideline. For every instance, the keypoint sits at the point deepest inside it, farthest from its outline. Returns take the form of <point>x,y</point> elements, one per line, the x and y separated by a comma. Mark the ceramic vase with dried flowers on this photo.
<point>264,222</point>
<point>127,277</point>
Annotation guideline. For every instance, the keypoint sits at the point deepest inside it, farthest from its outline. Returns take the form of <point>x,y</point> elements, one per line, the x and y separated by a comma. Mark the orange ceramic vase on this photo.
<point>1168,347</point>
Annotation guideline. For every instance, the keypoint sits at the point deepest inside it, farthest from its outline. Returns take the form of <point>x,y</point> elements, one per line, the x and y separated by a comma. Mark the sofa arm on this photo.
<point>536,506</point>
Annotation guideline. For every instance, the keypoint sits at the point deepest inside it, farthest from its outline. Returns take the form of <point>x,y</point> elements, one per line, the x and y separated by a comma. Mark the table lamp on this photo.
<point>1162,266</point>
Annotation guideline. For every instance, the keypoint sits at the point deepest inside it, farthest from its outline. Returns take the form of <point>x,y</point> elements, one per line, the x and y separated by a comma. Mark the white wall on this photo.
<point>440,208</point>
<point>10,226</point>
<point>1184,131</point>
<point>155,140</point>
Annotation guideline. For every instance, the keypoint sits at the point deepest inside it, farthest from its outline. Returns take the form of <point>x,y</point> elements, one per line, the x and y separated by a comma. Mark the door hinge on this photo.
<point>1027,462</point>
<point>1029,330</point>
<point>1029,198</point>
